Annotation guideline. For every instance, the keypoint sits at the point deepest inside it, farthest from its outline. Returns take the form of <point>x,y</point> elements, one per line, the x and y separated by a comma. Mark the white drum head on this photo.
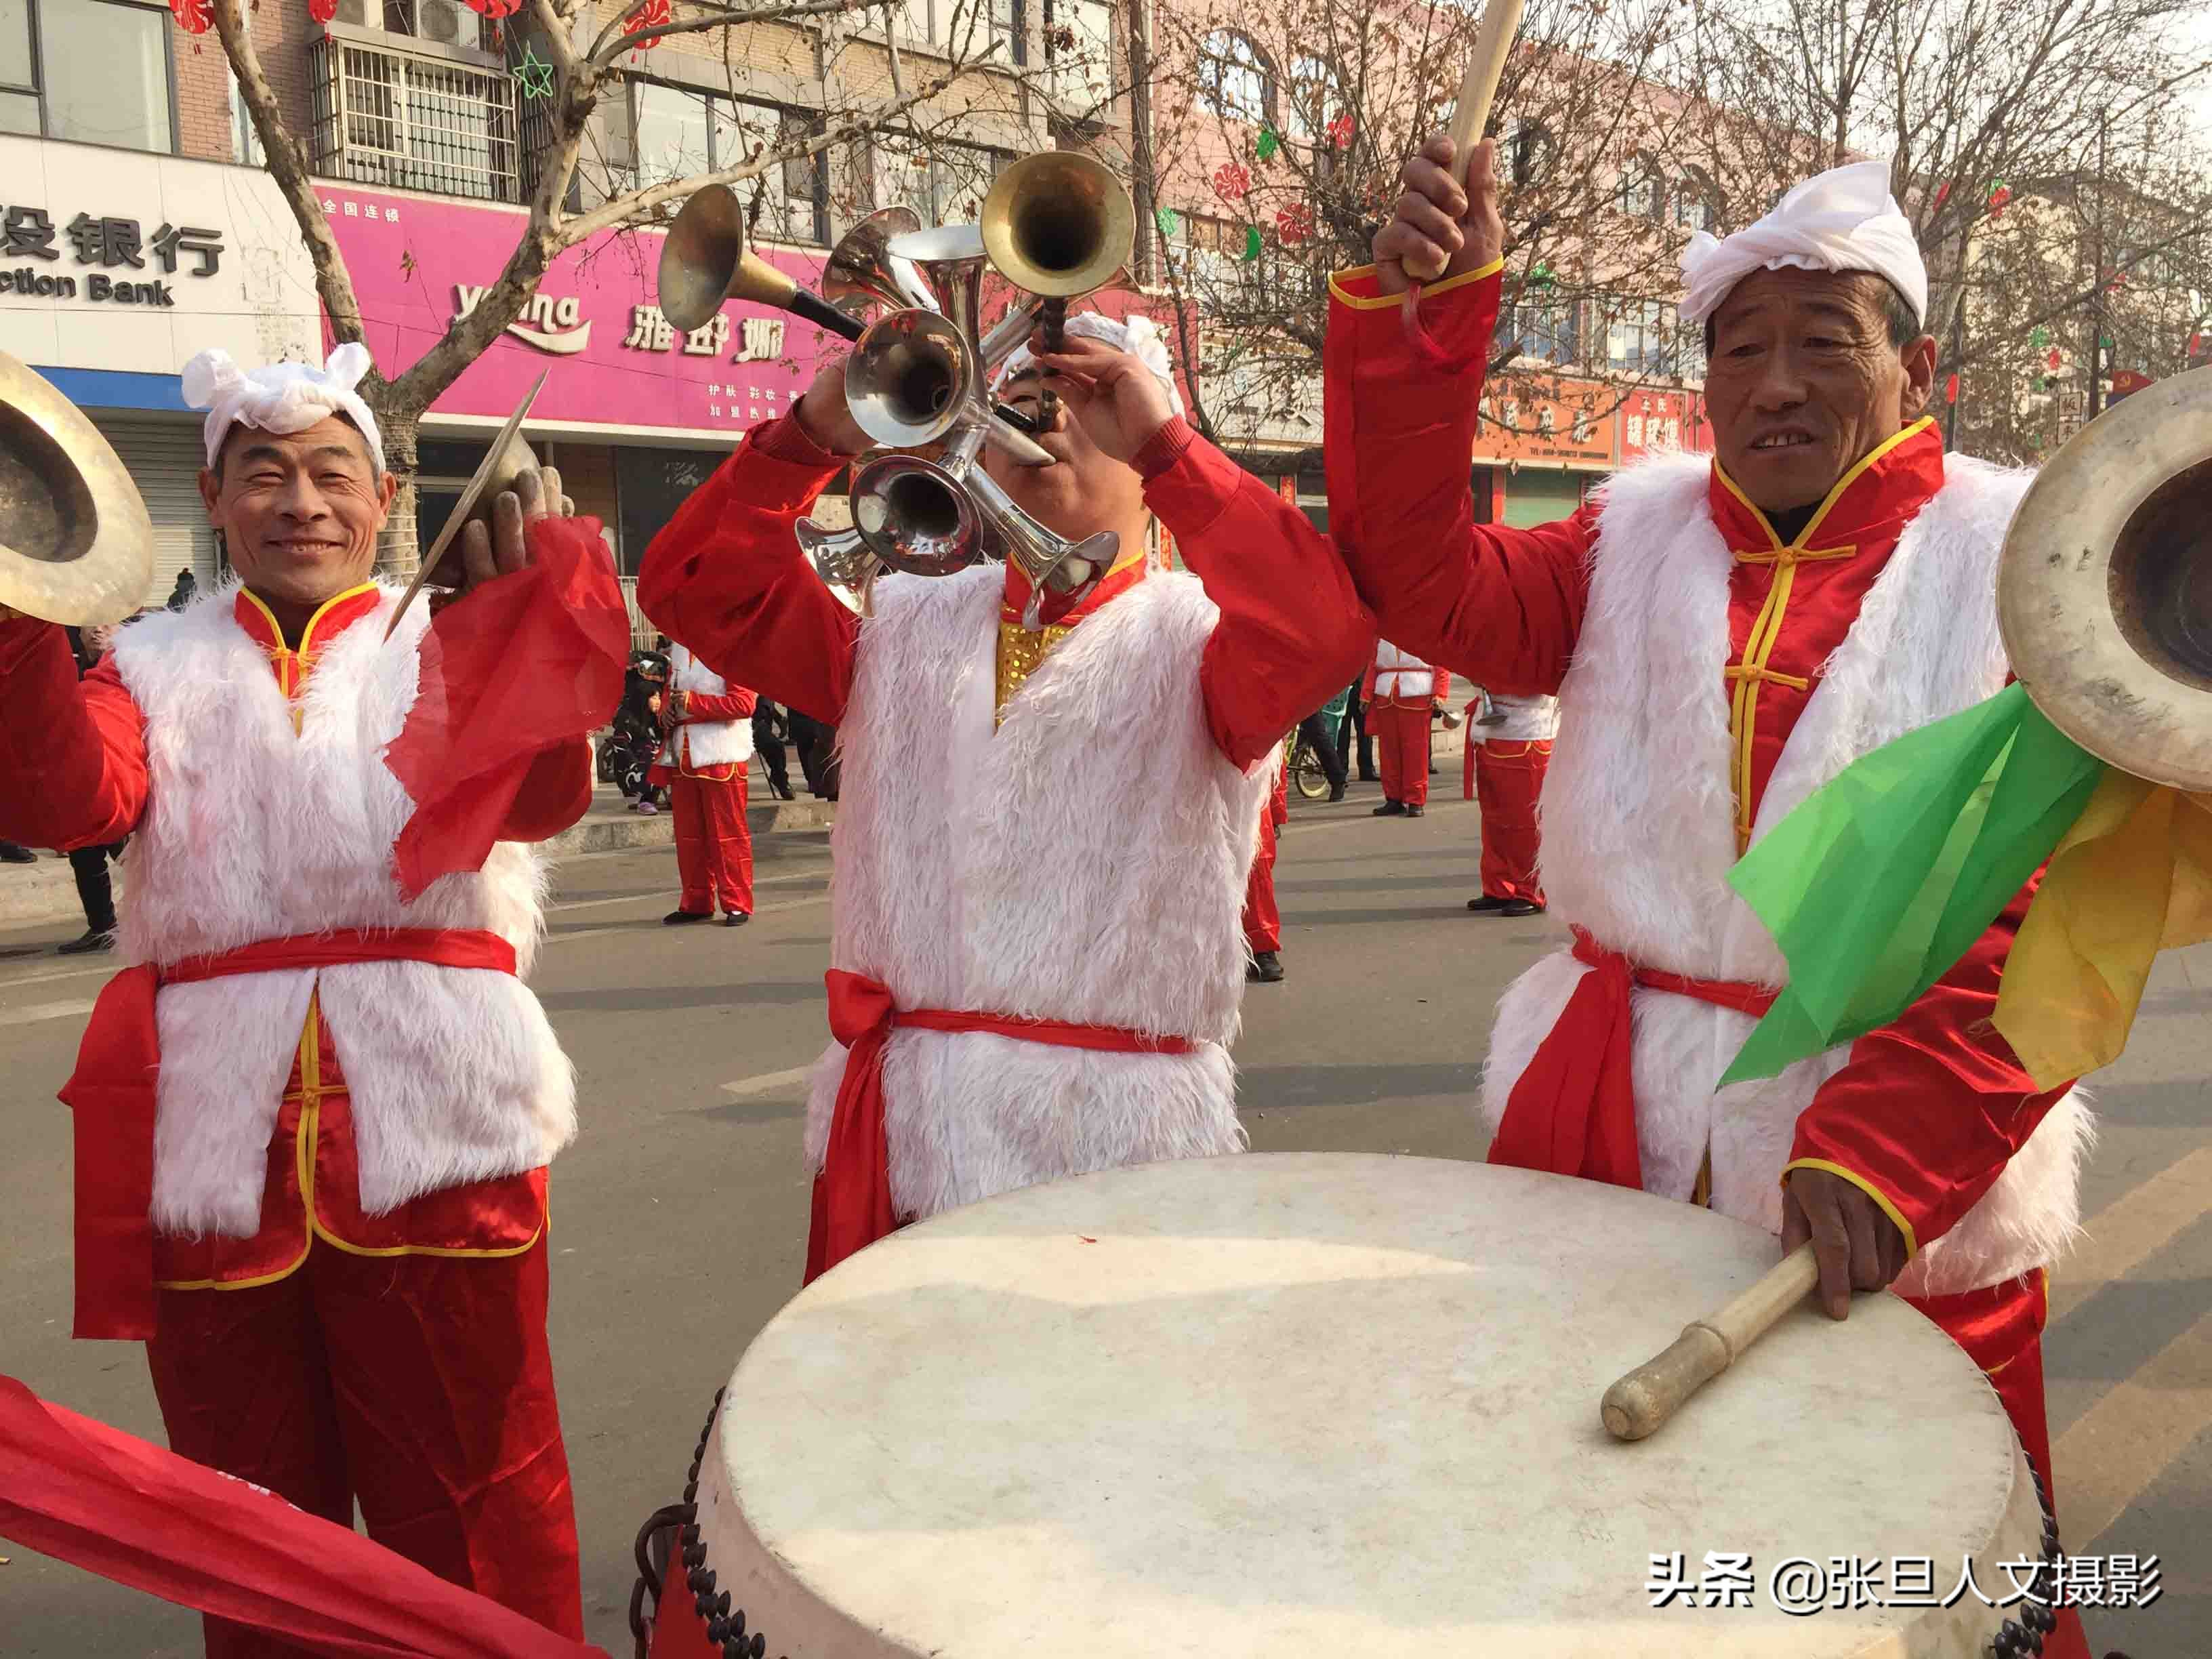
<point>1259,1406</point>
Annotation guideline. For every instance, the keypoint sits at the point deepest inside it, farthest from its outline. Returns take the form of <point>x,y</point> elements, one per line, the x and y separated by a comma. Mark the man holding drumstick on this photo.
<point>1724,635</point>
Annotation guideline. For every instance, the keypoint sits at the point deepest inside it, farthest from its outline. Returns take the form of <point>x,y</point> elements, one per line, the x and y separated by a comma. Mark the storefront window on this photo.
<point>945,183</point>
<point>91,70</point>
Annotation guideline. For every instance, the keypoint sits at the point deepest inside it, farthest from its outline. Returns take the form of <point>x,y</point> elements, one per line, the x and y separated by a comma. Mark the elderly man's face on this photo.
<point>1803,379</point>
<point>299,511</point>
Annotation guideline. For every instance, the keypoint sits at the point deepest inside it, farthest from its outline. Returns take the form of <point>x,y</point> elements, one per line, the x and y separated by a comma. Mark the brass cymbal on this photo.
<point>2105,586</point>
<point>76,543</point>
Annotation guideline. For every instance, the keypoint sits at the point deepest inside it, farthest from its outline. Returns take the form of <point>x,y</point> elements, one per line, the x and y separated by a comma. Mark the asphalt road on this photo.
<point>682,1208</point>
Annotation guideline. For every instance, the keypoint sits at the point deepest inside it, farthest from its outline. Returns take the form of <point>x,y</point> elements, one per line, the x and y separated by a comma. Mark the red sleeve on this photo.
<point>1502,606</point>
<point>1441,689</point>
<point>736,706</point>
<point>1926,1112</point>
<point>72,752</point>
<point>556,792</point>
<point>1291,630</point>
<point>726,576</point>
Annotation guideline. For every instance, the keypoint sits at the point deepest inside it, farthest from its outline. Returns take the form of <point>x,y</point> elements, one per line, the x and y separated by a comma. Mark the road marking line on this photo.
<point>746,1087</point>
<point>2131,1228</point>
<point>33,1012</point>
<point>2117,1447</point>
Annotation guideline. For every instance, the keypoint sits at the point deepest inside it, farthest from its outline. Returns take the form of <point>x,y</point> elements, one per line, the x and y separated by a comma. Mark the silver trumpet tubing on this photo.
<point>917,375</point>
<point>861,270</point>
<point>839,558</point>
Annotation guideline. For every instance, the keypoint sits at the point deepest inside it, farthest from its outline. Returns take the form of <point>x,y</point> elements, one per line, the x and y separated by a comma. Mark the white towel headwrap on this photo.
<point>1140,336</point>
<point>1844,219</point>
<point>282,397</point>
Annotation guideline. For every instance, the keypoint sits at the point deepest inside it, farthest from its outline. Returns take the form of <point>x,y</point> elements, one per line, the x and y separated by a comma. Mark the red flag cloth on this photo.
<point>523,663</point>
<point>1573,1110</point>
<point>853,1194</point>
<point>112,1095</point>
<point>126,1509</point>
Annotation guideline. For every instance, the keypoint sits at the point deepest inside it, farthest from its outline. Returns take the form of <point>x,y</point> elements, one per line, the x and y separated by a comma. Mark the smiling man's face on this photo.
<point>1804,375</point>
<point>299,511</point>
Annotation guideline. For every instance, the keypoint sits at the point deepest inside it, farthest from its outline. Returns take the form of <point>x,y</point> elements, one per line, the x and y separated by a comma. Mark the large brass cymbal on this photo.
<point>76,543</point>
<point>2104,589</point>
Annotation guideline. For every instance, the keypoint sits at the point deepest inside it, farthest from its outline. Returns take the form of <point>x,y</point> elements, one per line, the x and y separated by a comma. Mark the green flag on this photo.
<point>1883,878</point>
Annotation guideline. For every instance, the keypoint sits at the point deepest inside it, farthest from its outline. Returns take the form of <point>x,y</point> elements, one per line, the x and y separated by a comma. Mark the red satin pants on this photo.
<point>419,1385</point>
<point>1508,778</point>
<point>1263,922</point>
<point>713,848</point>
<point>1401,737</point>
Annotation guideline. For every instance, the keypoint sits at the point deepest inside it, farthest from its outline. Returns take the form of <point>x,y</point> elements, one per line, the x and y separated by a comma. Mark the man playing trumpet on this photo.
<point>1724,634</point>
<point>1043,837</point>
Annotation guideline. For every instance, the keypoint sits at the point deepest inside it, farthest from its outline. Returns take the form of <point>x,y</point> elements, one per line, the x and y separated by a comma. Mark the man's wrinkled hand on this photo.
<point>1856,1244</point>
<point>504,548</point>
<point>1438,220</point>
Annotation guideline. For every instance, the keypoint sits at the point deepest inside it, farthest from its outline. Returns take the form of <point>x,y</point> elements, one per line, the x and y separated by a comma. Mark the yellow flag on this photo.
<point>2131,878</point>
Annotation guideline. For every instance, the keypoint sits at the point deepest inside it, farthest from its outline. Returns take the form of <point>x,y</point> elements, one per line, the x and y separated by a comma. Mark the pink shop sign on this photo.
<point>593,322</point>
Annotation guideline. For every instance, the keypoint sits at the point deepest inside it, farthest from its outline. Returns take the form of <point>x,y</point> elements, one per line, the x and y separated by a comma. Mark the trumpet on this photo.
<point>705,262</point>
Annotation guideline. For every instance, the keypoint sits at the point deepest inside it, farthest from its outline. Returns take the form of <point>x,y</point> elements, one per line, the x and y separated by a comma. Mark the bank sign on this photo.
<point>595,322</point>
<point>114,260</point>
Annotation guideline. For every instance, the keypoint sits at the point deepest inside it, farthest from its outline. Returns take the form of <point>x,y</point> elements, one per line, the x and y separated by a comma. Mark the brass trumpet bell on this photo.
<point>76,544</point>
<point>1059,224</point>
<point>2104,585</point>
<point>705,261</point>
<point>911,380</point>
<point>916,517</point>
<point>862,271</point>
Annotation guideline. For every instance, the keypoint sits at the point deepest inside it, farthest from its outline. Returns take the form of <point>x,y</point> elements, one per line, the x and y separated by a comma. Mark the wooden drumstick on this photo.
<point>1493,39</point>
<point>1642,1401</point>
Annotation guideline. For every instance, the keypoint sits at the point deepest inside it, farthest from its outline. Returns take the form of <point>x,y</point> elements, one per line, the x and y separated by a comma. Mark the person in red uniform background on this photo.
<point>1509,745</point>
<point>1045,832</point>
<point>1401,693</point>
<point>313,1120</point>
<point>704,764</point>
<point>1724,634</point>
<point>1263,921</point>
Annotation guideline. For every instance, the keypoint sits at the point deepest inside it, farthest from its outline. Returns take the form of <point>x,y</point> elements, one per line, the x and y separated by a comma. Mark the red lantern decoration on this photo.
<point>1340,129</point>
<point>322,11</point>
<point>1998,196</point>
<point>652,14</point>
<point>1951,387</point>
<point>494,9</point>
<point>1232,181</point>
<point>192,16</point>
<point>2053,360</point>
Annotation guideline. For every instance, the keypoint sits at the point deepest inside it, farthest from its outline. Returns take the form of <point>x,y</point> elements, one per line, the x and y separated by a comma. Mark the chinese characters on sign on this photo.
<point>29,233</point>
<point>1557,423</point>
<point>1801,1586</point>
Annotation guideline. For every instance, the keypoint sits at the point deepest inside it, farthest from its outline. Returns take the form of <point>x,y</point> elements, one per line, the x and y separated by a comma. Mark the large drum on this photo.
<point>1264,1407</point>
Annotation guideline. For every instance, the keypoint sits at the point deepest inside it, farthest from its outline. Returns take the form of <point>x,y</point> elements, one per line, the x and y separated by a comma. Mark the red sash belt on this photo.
<point>1573,1110</point>
<point>853,1194</point>
<point>113,1093</point>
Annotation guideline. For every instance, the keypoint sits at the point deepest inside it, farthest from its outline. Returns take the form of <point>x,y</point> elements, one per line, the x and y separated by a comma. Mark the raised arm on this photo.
<point>1502,606</point>
<point>1292,631</point>
<point>726,576</point>
<point>72,753</point>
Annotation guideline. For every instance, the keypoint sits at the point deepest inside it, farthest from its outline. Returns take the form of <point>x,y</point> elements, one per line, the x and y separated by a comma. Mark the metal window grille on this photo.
<point>386,117</point>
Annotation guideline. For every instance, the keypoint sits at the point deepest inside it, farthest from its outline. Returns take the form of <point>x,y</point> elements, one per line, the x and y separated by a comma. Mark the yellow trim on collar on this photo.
<point>1804,537</point>
<point>1385,301</point>
<point>1889,1206</point>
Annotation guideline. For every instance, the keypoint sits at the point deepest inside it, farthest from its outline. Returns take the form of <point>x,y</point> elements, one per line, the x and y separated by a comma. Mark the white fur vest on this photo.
<point>698,743</point>
<point>1086,862</point>
<point>1528,719</point>
<point>253,831</point>
<point>1639,835</point>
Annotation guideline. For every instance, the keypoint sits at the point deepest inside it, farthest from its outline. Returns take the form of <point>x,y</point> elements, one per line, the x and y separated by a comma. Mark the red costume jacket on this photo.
<point>1927,1111</point>
<point>74,772</point>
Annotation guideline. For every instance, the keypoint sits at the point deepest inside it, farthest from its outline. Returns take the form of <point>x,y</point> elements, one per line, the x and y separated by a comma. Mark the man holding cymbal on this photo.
<point>1724,634</point>
<point>313,1117</point>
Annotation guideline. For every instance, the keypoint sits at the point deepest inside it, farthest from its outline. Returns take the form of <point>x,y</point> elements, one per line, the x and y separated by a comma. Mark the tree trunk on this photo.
<point>396,552</point>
